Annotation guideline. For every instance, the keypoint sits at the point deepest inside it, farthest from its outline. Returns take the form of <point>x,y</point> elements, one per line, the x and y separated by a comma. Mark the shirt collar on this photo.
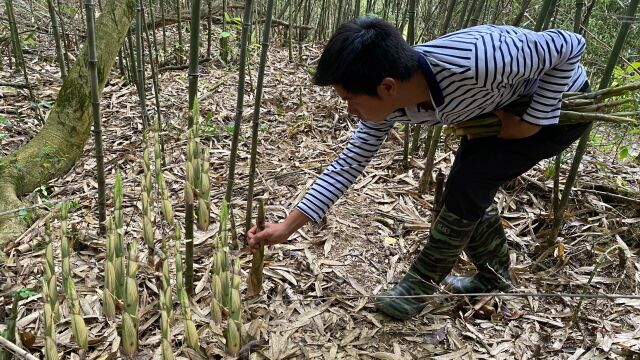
<point>432,83</point>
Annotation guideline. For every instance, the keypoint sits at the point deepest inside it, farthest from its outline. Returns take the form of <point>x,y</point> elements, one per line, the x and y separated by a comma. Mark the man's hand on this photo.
<point>513,127</point>
<point>277,233</point>
<point>271,234</point>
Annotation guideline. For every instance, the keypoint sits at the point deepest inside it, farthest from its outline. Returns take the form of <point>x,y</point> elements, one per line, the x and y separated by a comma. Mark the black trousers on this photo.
<point>483,165</point>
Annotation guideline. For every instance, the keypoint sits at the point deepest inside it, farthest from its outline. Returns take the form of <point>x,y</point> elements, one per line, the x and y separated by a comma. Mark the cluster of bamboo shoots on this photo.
<point>225,287</point>
<point>50,298</point>
<point>190,332</point>
<point>130,315</point>
<point>78,326</point>
<point>114,264</point>
<point>576,108</point>
<point>197,175</point>
<point>166,303</point>
<point>167,209</point>
<point>147,201</point>
<point>120,284</point>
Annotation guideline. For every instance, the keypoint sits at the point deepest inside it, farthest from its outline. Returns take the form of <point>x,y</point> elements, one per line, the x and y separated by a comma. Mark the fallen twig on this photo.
<point>16,350</point>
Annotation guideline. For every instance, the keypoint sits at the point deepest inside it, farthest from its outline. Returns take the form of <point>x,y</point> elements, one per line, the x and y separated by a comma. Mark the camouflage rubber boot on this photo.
<point>489,252</point>
<point>449,235</point>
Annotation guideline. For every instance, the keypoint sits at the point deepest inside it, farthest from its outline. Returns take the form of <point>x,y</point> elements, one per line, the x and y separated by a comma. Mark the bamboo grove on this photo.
<point>155,40</point>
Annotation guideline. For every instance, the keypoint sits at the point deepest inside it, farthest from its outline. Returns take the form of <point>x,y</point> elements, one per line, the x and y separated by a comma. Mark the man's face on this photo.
<point>368,107</point>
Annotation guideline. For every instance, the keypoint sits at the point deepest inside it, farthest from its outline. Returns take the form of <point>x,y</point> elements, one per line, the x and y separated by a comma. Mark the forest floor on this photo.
<point>316,301</point>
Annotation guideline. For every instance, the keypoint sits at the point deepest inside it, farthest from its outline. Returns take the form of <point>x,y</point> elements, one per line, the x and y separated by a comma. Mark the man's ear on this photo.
<point>388,86</point>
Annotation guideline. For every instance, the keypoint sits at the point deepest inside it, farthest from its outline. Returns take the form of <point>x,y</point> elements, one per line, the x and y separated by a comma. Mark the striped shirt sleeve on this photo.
<point>551,57</point>
<point>343,171</point>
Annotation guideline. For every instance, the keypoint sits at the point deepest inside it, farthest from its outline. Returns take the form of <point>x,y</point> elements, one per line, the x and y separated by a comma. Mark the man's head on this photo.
<point>364,60</point>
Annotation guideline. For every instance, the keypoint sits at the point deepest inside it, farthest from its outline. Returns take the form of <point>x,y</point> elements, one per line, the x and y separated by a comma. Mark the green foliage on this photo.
<point>23,293</point>
<point>29,40</point>
<point>627,75</point>
<point>5,121</point>
<point>25,214</point>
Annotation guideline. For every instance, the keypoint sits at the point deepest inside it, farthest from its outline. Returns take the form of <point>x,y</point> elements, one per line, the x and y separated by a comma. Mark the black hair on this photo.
<point>361,53</point>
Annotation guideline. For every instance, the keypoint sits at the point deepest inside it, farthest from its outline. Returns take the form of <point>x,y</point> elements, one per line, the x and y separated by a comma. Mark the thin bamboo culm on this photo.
<point>97,118</point>
<point>194,158</point>
<point>56,37</point>
<point>246,24</point>
<point>255,125</point>
<point>140,66</point>
<point>584,139</point>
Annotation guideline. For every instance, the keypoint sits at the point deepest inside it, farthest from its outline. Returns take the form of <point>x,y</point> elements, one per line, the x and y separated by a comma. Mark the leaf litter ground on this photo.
<point>315,300</point>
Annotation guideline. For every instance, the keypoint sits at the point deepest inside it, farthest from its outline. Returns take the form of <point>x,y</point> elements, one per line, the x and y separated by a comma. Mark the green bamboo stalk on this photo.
<point>582,144</point>
<point>428,166</point>
<point>475,18</point>
<point>142,97</point>
<point>407,127</point>
<point>64,38</point>
<point>56,37</point>
<point>461,16</point>
<point>545,12</point>
<point>224,37</point>
<point>523,10</point>
<point>290,34</point>
<point>153,61</point>
<point>246,23</point>
<point>121,69</point>
<point>601,259</point>
<point>97,119</point>
<point>604,93</point>
<point>164,30</point>
<point>180,42</point>
<point>153,30</point>
<point>577,19</point>
<point>189,191</point>
<point>194,53</point>
<point>209,28</point>
<point>15,36</point>
<point>132,62</point>
<point>256,113</point>
<point>551,16</point>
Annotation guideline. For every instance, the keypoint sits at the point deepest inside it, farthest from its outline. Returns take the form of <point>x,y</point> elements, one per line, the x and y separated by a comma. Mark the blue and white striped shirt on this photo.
<point>469,72</point>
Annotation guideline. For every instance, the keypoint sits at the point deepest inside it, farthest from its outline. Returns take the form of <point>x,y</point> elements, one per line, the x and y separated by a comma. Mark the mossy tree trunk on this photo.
<point>60,142</point>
